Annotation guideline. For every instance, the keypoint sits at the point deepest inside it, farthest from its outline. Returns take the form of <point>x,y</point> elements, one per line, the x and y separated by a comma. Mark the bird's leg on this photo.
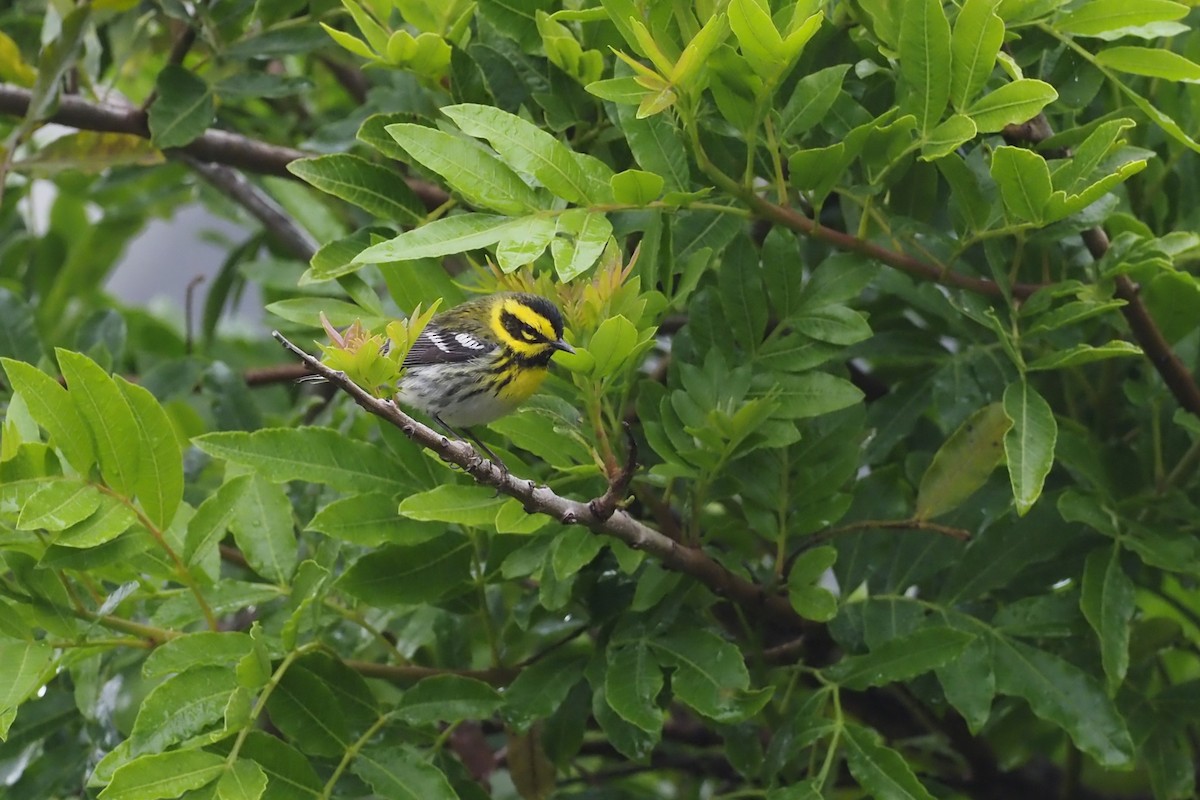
<point>495,459</point>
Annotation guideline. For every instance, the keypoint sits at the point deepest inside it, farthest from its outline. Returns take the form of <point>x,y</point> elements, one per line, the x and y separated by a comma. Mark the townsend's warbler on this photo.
<point>478,361</point>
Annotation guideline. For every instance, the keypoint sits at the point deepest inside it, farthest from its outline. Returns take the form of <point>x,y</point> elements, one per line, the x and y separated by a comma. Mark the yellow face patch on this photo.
<point>541,327</point>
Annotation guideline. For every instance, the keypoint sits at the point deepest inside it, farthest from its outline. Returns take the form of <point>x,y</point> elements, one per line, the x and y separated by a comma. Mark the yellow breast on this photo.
<point>523,385</point>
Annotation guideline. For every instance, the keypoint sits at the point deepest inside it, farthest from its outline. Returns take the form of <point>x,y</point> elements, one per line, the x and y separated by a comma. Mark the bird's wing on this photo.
<point>438,345</point>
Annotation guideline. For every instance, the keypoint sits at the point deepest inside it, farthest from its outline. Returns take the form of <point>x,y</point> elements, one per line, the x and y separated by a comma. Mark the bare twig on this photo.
<point>279,373</point>
<point>620,525</point>
<point>278,222</point>
<point>607,504</point>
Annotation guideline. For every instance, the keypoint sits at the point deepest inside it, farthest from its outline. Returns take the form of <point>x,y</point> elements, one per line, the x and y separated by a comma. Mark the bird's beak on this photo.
<point>562,345</point>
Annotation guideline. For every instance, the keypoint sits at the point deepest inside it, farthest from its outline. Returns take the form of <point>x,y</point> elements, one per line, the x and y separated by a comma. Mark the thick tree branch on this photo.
<point>793,220</point>
<point>217,146</point>
<point>543,500</point>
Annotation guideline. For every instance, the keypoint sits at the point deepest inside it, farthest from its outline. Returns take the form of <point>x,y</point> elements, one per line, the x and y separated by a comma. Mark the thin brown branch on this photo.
<point>179,50</point>
<point>794,220</point>
<point>214,145</point>
<point>278,222</point>
<point>278,373</point>
<point>349,78</point>
<point>607,504</point>
<point>1149,336</point>
<point>775,608</point>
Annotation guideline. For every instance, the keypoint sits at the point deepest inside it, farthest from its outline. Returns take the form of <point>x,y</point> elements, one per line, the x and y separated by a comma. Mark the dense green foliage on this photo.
<point>893,297</point>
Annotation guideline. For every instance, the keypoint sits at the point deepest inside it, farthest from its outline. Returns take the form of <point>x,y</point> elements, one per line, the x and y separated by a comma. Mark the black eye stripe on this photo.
<point>519,329</point>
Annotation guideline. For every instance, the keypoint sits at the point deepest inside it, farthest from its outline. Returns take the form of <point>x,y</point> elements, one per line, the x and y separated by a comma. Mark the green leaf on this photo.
<point>1012,103</point>
<point>476,174</point>
<point>378,190</point>
<point>370,520</point>
<point>527,148</point>
<point>964,462</point>
<point>111,518</point>
<point>811,394</point>
<point>970,683</point>
<point>1100,17</point>
<point>978,34</point>
<point>524,242</point>
<point>262,528</point>
<point>245,780</point>
<point>164,775</point>
<point>183,109</point>
<point>758,38</point>
<point>573,550</point>
<point>159,486</point>
<point>541,687</point>
<point>448,698</point>
<point>442,237</point>
<point>879,769</point>
<point>579,240</point>
<point>636,187</point>
<point>839,278</point>
<point>206,648</point>
<point>317,455</point>
<point>109,417</point>
<point>1061,693</point>
<point>948,137</point>
<point>612,343</point>
<point>632,683</point>
<point>657,146</point>
<point>290,775</point>
<point>401,774</point>
<point>18,328</point>
<point>305,708</point>
<point>1150,61</point>
<point>710,675</point>
<point>182,706</point>
<point>900,658</point>
<point>1108,601</point>
<point>812,601</point>
<point>811,100</point>
<point>618,90</point>
<point>463,504</point>
<point>740,285</point>
<point>419,573</point>
<point>1024,180</point>
<point>818,169</point>
<point>1084,354</point>
<point>24,667</point>
<point>832,323</point>
<point>1029,443</point>
<point>925,61</point>
<point>212,519</point>
<point>58,505</point>
<point>50,405</point>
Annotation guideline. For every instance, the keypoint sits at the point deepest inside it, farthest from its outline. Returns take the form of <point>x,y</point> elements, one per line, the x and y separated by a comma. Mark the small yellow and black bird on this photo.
<point>478,361</point>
